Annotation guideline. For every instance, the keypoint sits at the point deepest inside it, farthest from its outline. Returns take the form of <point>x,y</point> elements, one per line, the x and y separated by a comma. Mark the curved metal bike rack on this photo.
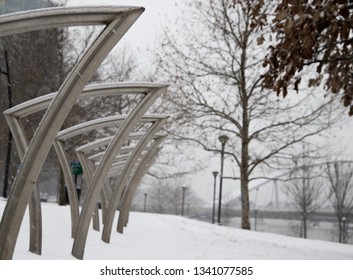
<point>135,181</point>
<point>15,114</point>
<point>102,171</point>
<point>65,163</point>
<point>117,166</point>
<point>117,21</point>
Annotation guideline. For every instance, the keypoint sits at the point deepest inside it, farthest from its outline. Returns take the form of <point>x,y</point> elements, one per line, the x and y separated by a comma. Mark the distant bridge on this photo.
<point>272,194</point>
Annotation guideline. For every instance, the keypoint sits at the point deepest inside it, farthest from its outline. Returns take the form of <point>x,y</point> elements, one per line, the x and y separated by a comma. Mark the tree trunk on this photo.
<point>305,228</point>
<point>245,222</point>
<point>244,185</point>
<point>340,230</point>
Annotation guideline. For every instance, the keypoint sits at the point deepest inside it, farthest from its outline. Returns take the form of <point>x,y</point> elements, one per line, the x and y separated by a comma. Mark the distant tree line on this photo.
<point>311,186</point>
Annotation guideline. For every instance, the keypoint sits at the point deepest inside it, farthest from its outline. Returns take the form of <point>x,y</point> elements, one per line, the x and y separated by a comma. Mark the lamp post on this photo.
<point>344,220</point>
<point>215,173</point>
<point>223,139</point>
<point>183,201</point>
<point>9,135</point>
<point>145,204</point>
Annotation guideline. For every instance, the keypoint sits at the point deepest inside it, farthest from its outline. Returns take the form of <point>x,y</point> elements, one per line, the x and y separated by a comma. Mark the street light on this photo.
<point>145,204</point>
<point>344,220</point>
<point>223,139</point>
<point>215,173</point>
<point>183,201</point>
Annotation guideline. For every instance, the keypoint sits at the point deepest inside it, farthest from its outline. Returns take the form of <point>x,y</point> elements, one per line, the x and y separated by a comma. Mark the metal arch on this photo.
<point>94,144</point>
<point>135,178</point>
<point>102,122</point>
<point>116,169</point>
<point>122,180</point>
<point>65,164</point>
<point>14,114</point>
<point>140,172</point>
<point>63,158</point>
<point>122,159</point>
<point>99,175</point>
<point>104,142</point>
<point>57,17</point>
<point>97,90</point>
<point>86,164</point>
<point>117,24</point>
<point>35,211</point>
<point>124,151</point>
<point>117,166</point>
<point>13,117</point>
<point>97,157</point>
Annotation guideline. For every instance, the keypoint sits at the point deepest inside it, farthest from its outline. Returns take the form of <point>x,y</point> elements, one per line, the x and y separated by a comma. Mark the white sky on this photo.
<point>144,31</point>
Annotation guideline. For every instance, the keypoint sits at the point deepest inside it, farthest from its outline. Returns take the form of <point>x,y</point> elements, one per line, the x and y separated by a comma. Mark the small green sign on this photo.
<point>76,168</point>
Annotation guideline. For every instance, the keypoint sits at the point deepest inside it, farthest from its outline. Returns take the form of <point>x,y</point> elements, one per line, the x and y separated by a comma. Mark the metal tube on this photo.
<point>215,173</point>
<point>220,187</point>
<point>145,203</point>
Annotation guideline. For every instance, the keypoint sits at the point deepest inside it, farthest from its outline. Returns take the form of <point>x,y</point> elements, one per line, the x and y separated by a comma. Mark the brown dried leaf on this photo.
<point>260,40</point>
<point>347,100</point>
<point>350,113</point>
<point>281,14</point>
<point>296,83</point>
<point>335,85</point>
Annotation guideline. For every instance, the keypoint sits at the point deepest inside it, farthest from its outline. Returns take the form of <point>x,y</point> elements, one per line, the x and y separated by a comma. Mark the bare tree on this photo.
<point>340,180</point>
<point>157,201</point>
<point>306,193</point>
<point>165,196</point>
<point>214,62</point>
<point>305,185</point>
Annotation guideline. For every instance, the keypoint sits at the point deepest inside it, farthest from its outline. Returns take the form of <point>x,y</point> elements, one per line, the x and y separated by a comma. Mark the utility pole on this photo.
<point>223,139</point>
<point>145,203</point>
<point>9,136</point>
<point>215,173</point>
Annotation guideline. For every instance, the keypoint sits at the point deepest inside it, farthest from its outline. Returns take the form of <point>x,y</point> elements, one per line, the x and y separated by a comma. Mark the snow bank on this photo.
<point>151,236</point>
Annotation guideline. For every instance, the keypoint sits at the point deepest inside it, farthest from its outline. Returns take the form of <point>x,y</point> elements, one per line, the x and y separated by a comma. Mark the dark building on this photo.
<point>35,63</point>
<point>10,6</point>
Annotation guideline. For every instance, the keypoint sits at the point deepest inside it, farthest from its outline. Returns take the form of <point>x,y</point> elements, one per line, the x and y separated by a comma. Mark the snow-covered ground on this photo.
<point>152,236</point>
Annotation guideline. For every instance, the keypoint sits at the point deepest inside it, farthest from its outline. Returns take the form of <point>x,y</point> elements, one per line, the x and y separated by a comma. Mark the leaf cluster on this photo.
<point>312,32</point>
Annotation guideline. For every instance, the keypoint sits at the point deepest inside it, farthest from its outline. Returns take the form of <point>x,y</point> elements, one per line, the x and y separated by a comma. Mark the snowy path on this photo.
<point>152,236</point>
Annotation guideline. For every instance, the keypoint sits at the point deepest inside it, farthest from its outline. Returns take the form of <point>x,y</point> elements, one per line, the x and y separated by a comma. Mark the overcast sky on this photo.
<point>143,33</point>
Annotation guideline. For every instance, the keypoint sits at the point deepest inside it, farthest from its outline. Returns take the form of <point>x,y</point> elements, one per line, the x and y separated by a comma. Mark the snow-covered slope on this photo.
<point>151,236</point>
